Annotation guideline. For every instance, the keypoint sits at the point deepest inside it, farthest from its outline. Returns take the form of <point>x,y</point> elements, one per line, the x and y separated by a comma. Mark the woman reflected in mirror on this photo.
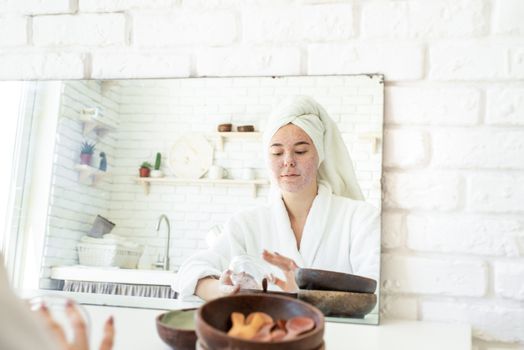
<point>316,216</point>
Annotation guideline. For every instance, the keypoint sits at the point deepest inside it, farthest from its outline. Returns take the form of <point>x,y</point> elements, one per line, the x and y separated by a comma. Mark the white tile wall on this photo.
<point>73,207</point>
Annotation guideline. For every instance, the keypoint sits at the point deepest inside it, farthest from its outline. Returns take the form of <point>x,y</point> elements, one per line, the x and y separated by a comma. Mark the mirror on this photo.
<point>129,122</point>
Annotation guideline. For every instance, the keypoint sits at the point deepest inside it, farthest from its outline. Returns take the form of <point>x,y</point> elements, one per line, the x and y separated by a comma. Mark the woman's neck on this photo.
<point>298,206</point>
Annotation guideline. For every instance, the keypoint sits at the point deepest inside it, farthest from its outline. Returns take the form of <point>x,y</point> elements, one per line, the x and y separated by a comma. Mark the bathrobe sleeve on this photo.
<point>210,262</point>
<point>365,242</point>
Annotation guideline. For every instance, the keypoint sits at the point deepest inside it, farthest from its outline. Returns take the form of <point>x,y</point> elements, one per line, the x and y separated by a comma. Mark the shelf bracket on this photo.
<point>220,143</point>
<point>146,185</point>
<point>374,139</point>
<point>88,127</point>
<point>85,178</point>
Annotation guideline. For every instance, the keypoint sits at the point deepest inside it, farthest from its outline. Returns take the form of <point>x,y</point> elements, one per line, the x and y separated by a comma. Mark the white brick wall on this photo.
<point>465,234</point>
<point>397,62</point>
<point>73,207</point>
<point>509,280</point>
<point>433,276</point>
<point>412,190</point>
<point>505,106</point>
<point>405,148</point>
<point>432,106</point>
<point>123,64</point>
<point>38,7</point>
<point>30,64</point>
<point>13,31</point>
<point>482,148</point>
<point>183,27</point>
<point>496,193</point>
<point>313,23</point>
<point>84,30</point>
<point>436,19</point>
<point>507,17</point>
<point>491,321</point>
<point>454,115</point>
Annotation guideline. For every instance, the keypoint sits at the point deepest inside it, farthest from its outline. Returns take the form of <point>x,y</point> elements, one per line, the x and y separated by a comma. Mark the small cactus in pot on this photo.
<point>157,172</point>
<point>86,153</point>
<point>145,169</point>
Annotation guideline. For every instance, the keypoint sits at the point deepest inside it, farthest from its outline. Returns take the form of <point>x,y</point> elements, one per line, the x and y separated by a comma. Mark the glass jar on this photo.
<point>248,271</point>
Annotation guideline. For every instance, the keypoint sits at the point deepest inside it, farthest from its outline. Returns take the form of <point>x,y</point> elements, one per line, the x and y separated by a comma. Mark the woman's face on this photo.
<point>293,159</point>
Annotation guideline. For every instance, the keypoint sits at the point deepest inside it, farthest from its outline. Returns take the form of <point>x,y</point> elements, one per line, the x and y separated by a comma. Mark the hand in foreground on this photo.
<point>287,265</point>
<point>80,340</point>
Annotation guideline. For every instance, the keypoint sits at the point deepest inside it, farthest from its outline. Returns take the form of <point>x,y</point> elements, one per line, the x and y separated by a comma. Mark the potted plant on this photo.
<point>145,169</point>
<point>86,152</point>
<point>157,172</point>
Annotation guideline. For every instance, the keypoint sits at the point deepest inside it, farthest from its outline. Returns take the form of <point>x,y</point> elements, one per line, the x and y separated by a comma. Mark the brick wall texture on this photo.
<point>453,167</point>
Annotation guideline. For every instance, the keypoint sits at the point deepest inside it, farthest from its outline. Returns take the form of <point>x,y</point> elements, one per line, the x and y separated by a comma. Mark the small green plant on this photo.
<point>158,160</point>
<point>146,165</point>
<point>87,148</point>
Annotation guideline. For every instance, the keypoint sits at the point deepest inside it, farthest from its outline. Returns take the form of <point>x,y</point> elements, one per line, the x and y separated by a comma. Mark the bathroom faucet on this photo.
<point>165,263</point>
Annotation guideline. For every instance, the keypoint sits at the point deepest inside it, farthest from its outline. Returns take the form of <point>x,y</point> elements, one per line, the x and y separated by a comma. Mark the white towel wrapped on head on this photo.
<point>335,166</point>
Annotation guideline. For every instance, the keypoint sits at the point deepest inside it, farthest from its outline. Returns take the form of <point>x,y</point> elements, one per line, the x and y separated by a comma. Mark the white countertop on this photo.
<point>136,329</point>
<point>113,274</point>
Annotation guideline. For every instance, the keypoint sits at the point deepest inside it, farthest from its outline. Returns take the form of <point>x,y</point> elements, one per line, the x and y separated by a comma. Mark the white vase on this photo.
<point>156,173</point>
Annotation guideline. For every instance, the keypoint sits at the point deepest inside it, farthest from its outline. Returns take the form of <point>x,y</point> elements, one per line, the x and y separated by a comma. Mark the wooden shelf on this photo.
<point>220,136</point>
<point>147,181</point>
<point>93,123</point>
<point>90,175</point>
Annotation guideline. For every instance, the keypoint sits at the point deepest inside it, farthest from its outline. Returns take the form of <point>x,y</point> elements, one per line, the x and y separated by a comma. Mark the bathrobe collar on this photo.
<point>314,228</point>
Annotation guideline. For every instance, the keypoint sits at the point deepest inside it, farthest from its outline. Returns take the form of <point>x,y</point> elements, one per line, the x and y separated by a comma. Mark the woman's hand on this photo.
<point>227,286</point>
<point>210,287</point>
<point>287,265</point>
<point>80,340</point>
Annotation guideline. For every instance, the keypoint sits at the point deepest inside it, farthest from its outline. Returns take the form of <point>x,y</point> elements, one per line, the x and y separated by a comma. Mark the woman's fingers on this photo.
<point>81,340</point>
<point>109,335</point>
<point>225,278</point>
<point>53,326</point>
<point>226,286</point>
<point>280,261</point>
<point>292,265</point>
<point>226,289</point>
<point>288,267</point>
<point>280,283</point>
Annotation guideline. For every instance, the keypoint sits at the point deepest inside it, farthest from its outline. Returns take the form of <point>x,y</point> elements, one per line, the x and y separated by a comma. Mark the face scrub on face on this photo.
<point>293,159</point>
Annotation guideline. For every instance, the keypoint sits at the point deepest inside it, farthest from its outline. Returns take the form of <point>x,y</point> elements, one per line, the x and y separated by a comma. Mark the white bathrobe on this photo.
<point>340,234</point>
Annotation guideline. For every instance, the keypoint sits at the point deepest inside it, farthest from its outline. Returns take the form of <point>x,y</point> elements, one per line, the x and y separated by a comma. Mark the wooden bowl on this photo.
<point>224,127</point>
<point>340,304</point>
<point>314,279</point>
<point>176,329</point>
<point>213,321</point>
<point>245,128</point>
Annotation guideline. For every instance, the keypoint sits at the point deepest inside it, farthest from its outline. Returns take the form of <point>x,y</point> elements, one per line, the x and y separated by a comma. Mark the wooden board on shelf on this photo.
<point>147,181</point>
